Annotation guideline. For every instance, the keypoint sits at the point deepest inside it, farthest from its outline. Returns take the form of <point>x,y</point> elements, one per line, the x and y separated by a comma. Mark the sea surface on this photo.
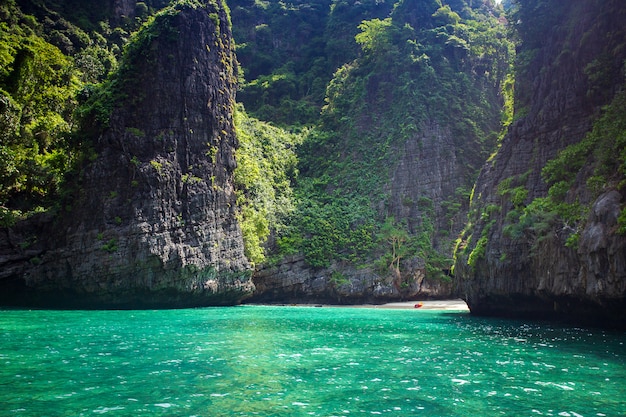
<point>304,361</point>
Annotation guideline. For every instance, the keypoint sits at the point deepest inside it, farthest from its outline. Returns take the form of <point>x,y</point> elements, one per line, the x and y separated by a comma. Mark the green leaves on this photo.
<point>281,47</point>
<point>600,159</point>
<point>38,85</point>
<point>266,165</point>
<point>332,227</point>
<point>395,238</point>
<point>406,78</point>
<point>375,36</point>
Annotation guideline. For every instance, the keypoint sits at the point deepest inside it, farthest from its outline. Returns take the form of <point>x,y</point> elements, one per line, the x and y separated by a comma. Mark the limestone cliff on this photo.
<point>154,220</point>
<point>123,9</point>
<point>294,281</point>
<point>542,239</point>
<point>422,184</point>
<point>406,129</point>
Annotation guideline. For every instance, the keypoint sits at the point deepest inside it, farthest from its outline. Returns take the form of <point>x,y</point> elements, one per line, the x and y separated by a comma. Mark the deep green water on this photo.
<point>300,361</point>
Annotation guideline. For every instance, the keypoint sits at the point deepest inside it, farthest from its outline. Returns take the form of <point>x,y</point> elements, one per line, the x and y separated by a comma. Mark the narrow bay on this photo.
<point>300,361</point>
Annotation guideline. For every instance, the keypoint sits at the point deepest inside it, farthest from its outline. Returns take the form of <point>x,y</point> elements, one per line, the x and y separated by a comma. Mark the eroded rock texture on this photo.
<point>431,166</point>
<point>537,271</point>
<point>293,281</point>
<point>417,132</point>
<point>154,223</point>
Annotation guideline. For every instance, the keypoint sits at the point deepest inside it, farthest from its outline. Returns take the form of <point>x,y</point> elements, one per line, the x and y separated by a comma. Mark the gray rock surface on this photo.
<point>536,273</point>
<point>123,9</point>
<point>293,281</point>
<point>428,169</point>
<point>154,223</point>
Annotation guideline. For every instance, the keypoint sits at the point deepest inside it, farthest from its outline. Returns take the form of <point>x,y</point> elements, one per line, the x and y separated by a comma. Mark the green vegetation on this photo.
<point>600,158</point>
<point>338,279</point>
<point>110,246</point>
<point>57,90</point>
<point>396,239</point>
<point>410,76</point>
<point>266,165</point>
<point>603,150</point>
<point>580,172</point>
<point>365,78</point>
<point>336,92</point>
<point>52,57</point>
<point>289,51</point>
<point>280,48</point>
<point>575,178</point>
<point>328,226</point>
<point>406,78</point>
<point>120,86</point>
<point>38,85</point>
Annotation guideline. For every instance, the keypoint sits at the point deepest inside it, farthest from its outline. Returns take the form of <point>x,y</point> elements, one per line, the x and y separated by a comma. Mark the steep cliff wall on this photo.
<point>542,238</point>
<point>153,221</point>
<point>385,176</point>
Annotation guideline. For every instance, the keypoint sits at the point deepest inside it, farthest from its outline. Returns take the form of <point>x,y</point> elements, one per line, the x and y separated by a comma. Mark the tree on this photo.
<point>375,36</point>
<point>397,239</point>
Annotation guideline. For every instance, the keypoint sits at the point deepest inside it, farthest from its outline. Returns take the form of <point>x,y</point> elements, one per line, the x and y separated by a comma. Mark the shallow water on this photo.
<point>301,361</point>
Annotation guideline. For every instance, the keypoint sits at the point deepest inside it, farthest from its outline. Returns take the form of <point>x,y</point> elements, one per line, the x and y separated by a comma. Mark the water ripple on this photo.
<point>301,361</point>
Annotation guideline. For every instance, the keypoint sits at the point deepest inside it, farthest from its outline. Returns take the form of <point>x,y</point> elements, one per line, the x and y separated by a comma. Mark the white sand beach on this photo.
<point>427,305</point>
<point>458,305</point>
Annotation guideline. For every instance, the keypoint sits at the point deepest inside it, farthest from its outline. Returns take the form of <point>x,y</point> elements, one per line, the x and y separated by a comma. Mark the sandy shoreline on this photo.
<point>427,305</point>
<point>458,305</point>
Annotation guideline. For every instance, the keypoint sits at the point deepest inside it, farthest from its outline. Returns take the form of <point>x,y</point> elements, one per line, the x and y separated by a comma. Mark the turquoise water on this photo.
<point>303,361</point>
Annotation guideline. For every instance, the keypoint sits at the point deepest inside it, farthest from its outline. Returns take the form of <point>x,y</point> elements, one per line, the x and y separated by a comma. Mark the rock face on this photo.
<point>399,123</point>
<point>427,169</point>
<point>539,274</point>
<point>432,166</point>
<point>124,9</point>
<point>293,281</point>
<point>154,223</point>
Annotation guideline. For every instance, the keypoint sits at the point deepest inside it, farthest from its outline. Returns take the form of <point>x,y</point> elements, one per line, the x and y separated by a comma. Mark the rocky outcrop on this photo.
<point>154,223</point>
<point>432,167</point>
<point>293,281</point>
<point>422,193</point>
<point>574,54</point>
<point>400,122</point>
<point>124,9</point>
